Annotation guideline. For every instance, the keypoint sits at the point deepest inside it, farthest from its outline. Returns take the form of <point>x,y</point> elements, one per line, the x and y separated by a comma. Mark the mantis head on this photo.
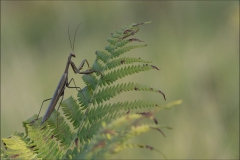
<point>72,54</point>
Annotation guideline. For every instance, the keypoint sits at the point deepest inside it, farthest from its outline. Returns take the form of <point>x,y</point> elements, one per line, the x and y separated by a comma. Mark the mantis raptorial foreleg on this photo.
<point>77,70</point>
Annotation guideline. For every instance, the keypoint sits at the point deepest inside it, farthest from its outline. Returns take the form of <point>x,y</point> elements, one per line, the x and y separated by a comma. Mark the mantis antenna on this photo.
<point>72,44</point>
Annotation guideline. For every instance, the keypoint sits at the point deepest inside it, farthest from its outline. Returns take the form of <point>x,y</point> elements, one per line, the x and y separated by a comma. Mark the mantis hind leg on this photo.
<point>40,110</point>
<point>42,105</point>
<point>89,71</point>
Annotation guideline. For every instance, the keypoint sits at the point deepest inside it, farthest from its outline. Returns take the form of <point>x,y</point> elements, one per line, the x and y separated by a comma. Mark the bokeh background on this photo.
<point>195,43</point>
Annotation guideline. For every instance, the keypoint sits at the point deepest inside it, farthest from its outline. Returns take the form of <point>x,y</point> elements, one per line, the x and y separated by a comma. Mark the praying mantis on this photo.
<point>63,83</point>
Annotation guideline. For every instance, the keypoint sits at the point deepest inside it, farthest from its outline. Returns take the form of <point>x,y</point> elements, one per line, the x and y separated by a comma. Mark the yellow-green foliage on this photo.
<point>18,147</point>
<point>96,128</point>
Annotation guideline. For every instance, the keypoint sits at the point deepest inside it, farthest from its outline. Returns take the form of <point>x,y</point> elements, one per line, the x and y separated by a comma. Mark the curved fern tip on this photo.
<point>155,67</point>
<point>162,94</point>
<point>137,24</point>
<point>147,22</point>
<point>159,130</point>
<point>174,103</point>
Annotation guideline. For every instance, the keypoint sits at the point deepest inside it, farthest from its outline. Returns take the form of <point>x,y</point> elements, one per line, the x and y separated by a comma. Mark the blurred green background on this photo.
<point>196,45</point>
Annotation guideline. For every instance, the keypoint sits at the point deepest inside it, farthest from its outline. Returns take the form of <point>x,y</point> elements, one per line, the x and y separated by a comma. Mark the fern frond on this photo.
<point>110,92</point>
<point>43,141</point>
<point>72,111</point>
<point>103,56</point>
<point>123,72</point>
<point>88,131</point>
<point>134,145</point>
<point>92,125</point>
<point>113,136</point>
<point>94,93</point>
<point>18,146</point>
<point>4,155</point>
<point>60,129</point>
<point>102,128</point>
<point>121,108</point>
<point>124,60</point>
<point>90,81</point>
<point>97,66</point>
<point>121,51</point>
